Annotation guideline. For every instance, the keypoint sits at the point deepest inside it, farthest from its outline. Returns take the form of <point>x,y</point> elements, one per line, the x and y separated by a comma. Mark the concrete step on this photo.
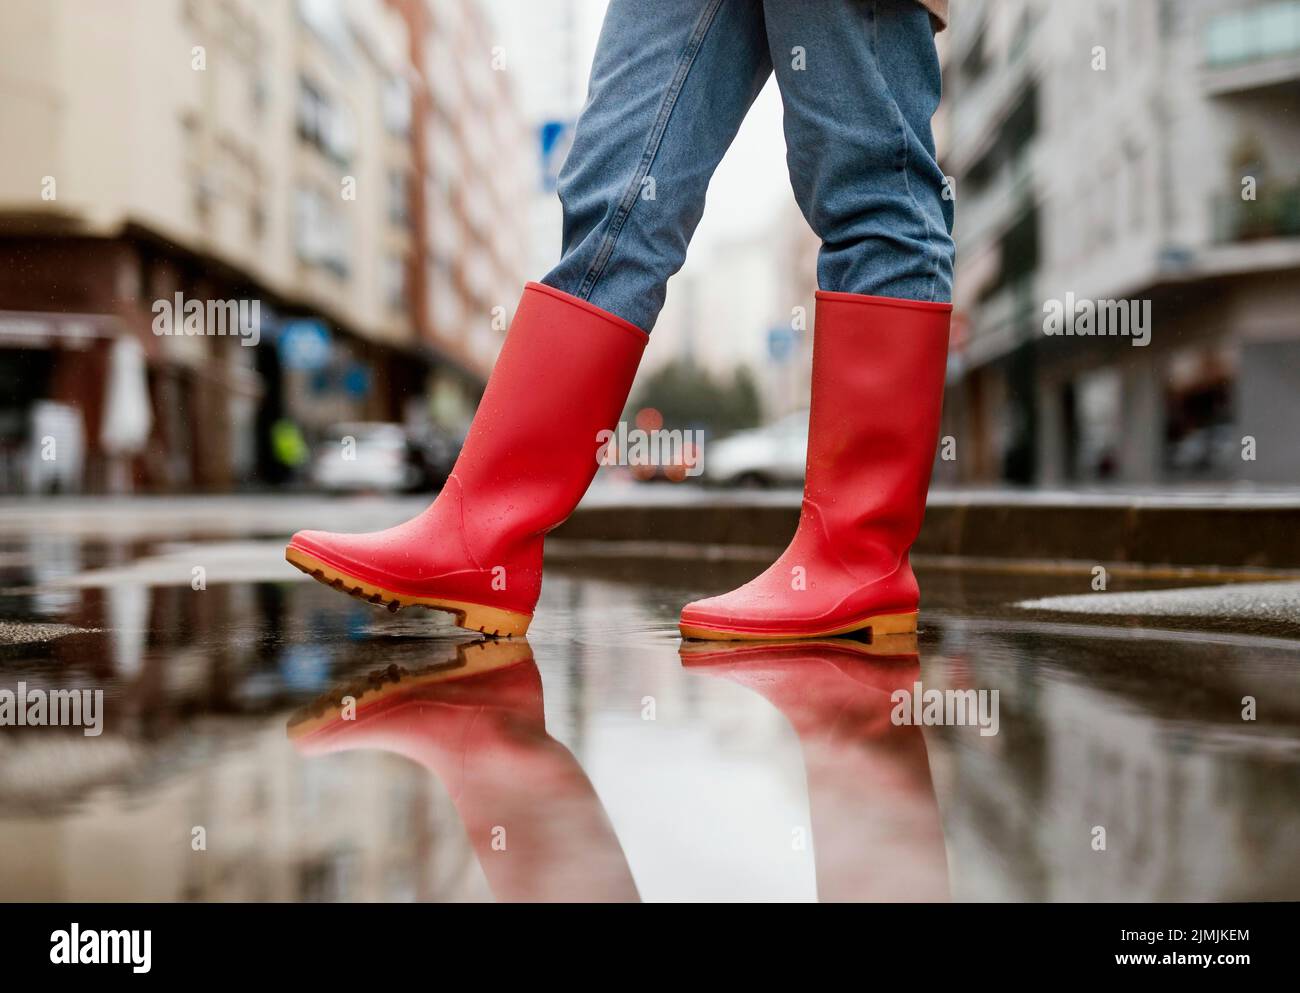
<point>1177,529</point>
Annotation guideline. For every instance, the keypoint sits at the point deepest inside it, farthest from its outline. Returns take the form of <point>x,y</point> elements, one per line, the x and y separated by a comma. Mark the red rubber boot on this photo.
<point>562,377</point>
<point>477,723</point>
<point>877,390</point>
<point>876,828</point>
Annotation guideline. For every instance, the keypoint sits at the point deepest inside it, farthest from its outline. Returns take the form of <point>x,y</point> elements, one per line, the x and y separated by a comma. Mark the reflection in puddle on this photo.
<point>647,769</point>
<point>875,823</point>
<point>476,724</point>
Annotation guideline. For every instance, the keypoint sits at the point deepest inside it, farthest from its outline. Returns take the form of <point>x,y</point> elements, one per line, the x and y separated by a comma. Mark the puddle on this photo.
<point>600,760</point>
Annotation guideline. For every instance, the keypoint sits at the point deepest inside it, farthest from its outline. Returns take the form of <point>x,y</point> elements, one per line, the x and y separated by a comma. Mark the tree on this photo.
<point>689,396</point>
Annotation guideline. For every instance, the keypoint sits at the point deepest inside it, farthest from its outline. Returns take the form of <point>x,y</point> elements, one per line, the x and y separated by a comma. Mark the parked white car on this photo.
<point>365,456</point>
<point>773,455</point>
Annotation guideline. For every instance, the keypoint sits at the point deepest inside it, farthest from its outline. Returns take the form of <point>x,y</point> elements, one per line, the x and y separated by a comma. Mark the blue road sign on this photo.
<point>780,344</point>
<point>304,344</point>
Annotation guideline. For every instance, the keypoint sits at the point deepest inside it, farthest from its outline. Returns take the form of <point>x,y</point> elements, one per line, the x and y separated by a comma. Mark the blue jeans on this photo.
<point>671,82</point>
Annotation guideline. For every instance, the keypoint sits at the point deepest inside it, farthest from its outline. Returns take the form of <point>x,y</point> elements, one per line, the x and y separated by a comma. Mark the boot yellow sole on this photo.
<point>473,659</point>
<point>886,646</point>
<point>876,626</point>
<point>491,621</point>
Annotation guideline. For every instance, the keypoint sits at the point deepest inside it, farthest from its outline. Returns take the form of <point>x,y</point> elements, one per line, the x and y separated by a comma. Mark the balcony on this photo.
<point>996,118</point>
<point>1275,214</point>
<point>1002,321</point>
<point>1252,50</point>
<point>985,216</point>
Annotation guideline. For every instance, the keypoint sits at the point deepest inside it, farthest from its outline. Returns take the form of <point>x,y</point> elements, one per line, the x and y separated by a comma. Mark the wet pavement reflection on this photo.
<point>267,739</point>
<point>477,724</point>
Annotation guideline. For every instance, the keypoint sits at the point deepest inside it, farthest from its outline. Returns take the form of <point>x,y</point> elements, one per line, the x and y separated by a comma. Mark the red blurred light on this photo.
<point>649,419</point>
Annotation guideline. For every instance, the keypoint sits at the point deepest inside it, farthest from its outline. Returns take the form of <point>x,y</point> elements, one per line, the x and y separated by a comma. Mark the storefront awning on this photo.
<point>38,329</point>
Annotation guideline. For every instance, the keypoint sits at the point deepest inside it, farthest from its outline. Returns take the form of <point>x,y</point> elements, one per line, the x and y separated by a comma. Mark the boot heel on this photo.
<point>888,625</point>
<point>492,620</point>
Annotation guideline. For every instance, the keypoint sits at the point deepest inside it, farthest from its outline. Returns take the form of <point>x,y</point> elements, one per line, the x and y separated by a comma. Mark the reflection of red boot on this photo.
<point>561,379</point>
<point>531,815</point>
<point>877,387</point>
<point>489,685</point>
<point>876,829</point>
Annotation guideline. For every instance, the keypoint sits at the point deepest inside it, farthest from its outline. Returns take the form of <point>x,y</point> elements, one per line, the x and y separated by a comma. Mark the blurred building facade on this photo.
<point>747,303</point>
<point>547,48</point>
<point>339,163</point>
<point>1143,150</point>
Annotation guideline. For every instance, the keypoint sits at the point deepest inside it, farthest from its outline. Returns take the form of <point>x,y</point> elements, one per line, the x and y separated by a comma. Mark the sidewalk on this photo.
<point>1258,531</point>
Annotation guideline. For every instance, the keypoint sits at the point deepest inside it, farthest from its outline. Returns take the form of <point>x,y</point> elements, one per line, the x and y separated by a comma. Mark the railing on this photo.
<point>981,108</point>
<point>1001,322</point>
<point>1000,203</point>
<point>1255,35</point>
<point>1272,215</point>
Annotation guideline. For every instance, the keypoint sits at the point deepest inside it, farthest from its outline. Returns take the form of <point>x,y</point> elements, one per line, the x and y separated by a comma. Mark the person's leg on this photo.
<point>860,81</point>
<point>671,82</point>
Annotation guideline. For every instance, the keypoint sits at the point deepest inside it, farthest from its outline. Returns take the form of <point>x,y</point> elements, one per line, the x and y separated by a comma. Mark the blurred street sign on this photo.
<point>780,344</point>
<point>304,344</point>
<point>555,137</point>
<point>356,380</point>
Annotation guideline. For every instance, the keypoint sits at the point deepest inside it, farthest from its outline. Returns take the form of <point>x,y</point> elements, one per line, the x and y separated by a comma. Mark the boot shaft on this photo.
<point>877,395</point>
<point>563,377</point>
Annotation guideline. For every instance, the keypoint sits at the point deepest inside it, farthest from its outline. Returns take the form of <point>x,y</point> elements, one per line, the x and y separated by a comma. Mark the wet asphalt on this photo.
<point>1134,752</point>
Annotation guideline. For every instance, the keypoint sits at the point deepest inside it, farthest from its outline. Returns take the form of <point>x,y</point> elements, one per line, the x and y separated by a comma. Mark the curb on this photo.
<point>1149,532</point>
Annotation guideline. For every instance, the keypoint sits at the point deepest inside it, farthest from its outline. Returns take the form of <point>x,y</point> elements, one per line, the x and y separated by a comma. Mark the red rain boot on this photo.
<point>562,378</point>
<point>877,833</point>
<point>877,389</point>
<point>477,723</point>
<point>484,684</point>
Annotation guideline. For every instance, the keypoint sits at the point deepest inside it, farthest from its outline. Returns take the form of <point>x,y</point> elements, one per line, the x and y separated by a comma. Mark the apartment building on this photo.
<point>263,153</point>
<point>546,49</point>
<point>1127,154</point>
<point>477,171</point>
<point>747,302</point>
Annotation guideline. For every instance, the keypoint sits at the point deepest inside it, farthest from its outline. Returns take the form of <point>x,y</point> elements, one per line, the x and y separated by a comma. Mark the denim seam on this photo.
<point>907,183</point>
<point>686,60</point>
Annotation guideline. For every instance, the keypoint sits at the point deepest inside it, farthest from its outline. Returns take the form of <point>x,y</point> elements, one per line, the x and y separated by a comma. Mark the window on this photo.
<point>1137,189</point>
<point>328,22</point>
<point>976,62</point>
<point>324,123</point>
<point>398,197</point>
<point>321,234</point>
<point>392,279</point>
<point>395,106</point>
<point>260,94</point>
<point>311,110</point>
<point>256,222</point>
<point>1268,31</point>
